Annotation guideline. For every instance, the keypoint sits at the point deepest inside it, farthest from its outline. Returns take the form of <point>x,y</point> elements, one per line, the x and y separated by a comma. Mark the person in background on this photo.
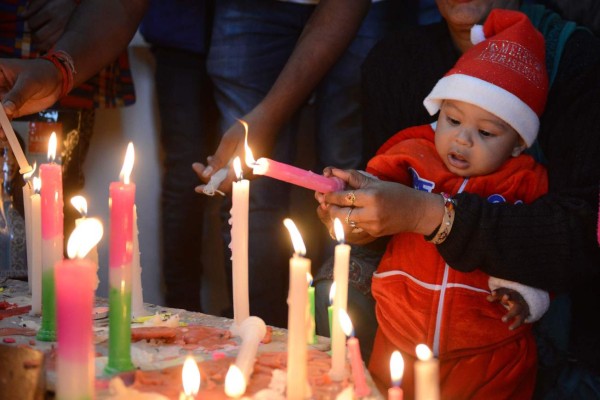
<point>550,243</point>
<point>489,105</point>
<point>179,34</point>
<point>250,45</point>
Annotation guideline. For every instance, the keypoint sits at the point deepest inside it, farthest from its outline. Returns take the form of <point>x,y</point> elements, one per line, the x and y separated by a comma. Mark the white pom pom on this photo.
<point>477,35</point>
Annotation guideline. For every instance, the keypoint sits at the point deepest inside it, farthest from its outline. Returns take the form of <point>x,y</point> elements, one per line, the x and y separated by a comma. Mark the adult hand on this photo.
<point>47,20</point>
<point>28,86</point>
<point>518,309</point>
<point>262,132</point>
<point>381,208</point>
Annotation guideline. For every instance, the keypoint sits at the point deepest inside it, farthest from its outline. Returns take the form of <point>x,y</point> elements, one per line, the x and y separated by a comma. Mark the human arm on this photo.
<point>47,20</point>
<point>97,33</point>
<point>326,35</point>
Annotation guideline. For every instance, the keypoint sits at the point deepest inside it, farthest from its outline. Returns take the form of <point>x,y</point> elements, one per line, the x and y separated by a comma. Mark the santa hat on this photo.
<point>504,73</point>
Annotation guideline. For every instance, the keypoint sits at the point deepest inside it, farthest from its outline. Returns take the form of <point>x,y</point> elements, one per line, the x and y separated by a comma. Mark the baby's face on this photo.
<point>472,141</point>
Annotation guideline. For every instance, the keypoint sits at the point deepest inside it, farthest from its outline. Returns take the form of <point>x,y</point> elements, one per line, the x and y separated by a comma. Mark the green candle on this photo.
<point>119,341</point>
<point>47,332</point>
<point>312,336</point>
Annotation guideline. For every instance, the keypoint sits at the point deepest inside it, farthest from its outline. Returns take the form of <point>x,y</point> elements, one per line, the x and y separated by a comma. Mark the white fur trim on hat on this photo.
<point>491,98</point>
<point>538,300</point>
<point>477,35</point>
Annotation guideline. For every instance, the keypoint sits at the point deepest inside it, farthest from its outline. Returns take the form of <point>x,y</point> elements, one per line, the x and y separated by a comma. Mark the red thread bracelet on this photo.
<point>64,63</point>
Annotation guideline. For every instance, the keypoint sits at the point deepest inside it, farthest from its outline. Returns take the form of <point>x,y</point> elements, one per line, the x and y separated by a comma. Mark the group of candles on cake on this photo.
<point>63,290</point>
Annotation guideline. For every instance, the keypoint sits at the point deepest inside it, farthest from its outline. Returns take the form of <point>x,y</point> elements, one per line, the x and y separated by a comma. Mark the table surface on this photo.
<point>145,356</point>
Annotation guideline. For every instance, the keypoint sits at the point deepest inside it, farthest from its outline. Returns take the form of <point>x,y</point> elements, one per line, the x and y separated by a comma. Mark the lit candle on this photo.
<point>239,247</point>
<point>75,286</point>
<point>122,199</point>
<point>252,331</point>
<point>137,292</point>
<point>235,384</point>
<point>190,376</point>
<point>80,204</point>
<point>396,372</point>
<point>35,238</point>
<point>297,298</point>
<point>341,266</point>
<point>52,238</point>
<point>294,175</point>
<point>330,307</point>
<point>311,334</point>
<point>356,363</point>
<point>13,142</point>
<point>27,194</point>
<point>427,385</point>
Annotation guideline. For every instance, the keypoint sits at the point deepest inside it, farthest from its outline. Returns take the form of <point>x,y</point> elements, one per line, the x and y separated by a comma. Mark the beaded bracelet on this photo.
<point>64,63</point>
<point>443,230</point>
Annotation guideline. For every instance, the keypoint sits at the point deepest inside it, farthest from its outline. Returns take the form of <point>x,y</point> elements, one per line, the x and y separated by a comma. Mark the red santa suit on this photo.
<point>420,299</point>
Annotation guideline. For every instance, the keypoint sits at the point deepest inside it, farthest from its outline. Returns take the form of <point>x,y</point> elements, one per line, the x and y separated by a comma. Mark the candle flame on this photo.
<point>309,278</point>
<point>299,248</point>
<point>423,352</point>
<point>235,384</point>
<point>80,204</point>
<point>27,175</point>
<point>52,147</point>
<point>190,375</point>
<point>332,293</point>
<point>346,322</point>
<point>85,236</point>
<point>37,184</point>
<point>127,163</point>
<point>250,161</point>
<point>237,168</point>
<point>339,230</point>
<point>396,368</point>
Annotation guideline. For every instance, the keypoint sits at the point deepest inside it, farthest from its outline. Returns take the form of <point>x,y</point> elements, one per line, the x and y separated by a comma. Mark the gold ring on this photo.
<point>347,220</point>
<point>351,198</point>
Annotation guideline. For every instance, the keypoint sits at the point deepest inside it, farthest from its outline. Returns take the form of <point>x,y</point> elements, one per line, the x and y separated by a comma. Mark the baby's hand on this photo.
<point>518,309</point>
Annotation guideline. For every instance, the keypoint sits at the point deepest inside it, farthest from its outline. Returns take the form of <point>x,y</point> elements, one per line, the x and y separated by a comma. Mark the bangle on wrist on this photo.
<point>64,63</point>
<point>443,230</point>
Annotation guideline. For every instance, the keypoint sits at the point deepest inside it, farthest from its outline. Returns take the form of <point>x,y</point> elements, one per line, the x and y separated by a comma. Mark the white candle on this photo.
<point>252,331</point>
<point>35,239</point>
<point>239,248</point>
<point>27,193</point>
<point>137,292</point>
<point>427,381</point>
<point>297,300</point>
<point>340,277</point>
<point>10,134</point>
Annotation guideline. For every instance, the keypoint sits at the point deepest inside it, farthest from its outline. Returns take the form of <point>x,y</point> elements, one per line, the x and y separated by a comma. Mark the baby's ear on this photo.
<point>520,146</point>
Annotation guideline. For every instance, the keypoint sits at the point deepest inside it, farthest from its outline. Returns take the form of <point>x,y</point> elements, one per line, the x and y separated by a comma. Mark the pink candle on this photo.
<point>75,286</point>
<point>52,238</point>
<point>396,372</point>
<point>297,176</point>
<point>122,199</point>
<point>358,372</point>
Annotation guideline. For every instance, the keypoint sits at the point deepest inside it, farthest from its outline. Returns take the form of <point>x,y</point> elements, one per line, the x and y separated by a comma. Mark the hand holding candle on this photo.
<point>297,300</point>
<point>75,281</point>
<point>356,362</point>
<point>427,381</point>
<point>341,267</point>
<point>396,372</point>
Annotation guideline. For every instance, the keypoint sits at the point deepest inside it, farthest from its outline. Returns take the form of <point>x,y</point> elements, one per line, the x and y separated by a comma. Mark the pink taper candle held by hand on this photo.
<point>297,302</point>
<point>396,372</point>
<point>356,362</point>
<point>75,286</point>
<point>52,238</point>
<point>288,173</point>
